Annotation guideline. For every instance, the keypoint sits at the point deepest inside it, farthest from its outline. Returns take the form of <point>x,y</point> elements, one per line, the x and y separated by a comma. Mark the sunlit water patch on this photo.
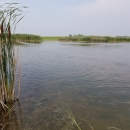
<point>70,87</point>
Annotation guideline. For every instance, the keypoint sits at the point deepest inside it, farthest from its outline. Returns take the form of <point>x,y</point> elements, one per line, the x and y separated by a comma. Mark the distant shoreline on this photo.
<point>88,39</point>
<point>76,38</point>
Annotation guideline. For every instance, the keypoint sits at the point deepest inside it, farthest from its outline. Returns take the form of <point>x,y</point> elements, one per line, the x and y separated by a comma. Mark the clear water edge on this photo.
<point>63,84</point>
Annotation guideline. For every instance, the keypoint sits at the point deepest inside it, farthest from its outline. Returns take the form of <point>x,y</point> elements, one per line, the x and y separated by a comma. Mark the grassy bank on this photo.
<point>51,38</point>
<point>86,39</point>
<point>95,39</point>
<point>26,38</point>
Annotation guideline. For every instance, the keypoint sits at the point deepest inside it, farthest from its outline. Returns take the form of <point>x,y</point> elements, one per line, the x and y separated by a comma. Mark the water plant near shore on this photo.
<point>73,120</point>
<point>9,18</point>
<point>26,38</point>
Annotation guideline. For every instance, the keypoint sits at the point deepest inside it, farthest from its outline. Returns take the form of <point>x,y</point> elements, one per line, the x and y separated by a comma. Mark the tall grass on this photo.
<point>26,38</point>
<point>10,15</point>
<point>51,38</point>
<point>8,63</point>
<point>96,39</point>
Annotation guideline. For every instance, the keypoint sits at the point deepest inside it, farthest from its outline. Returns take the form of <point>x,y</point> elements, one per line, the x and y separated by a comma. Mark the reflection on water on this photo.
<point>81,44</point>
<point>67,87</point>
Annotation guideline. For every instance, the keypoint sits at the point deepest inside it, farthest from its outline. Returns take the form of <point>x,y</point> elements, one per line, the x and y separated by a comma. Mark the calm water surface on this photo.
<point>71,86</point>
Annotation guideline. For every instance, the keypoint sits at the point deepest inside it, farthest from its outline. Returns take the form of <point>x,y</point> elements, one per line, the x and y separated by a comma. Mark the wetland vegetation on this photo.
<point>10,15</point>
<point>95,39</point>
<point>64,87</point>
<point>89,39</point>
<point>51,38</point>
<point>29,38</point>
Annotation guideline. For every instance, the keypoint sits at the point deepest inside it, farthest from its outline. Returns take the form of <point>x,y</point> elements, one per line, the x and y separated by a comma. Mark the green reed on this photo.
<point>26,38</point>
<point>10,15</point>
<point>96,39</point>
<point>8,62</point>
<point>51,38</point>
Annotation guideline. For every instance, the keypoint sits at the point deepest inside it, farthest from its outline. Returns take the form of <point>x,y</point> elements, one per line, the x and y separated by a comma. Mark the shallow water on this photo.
<point>67,86</point>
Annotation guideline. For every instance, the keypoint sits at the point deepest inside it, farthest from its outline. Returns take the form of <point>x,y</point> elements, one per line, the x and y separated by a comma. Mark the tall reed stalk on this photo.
<point>9,18</point>
<point>8,62</point>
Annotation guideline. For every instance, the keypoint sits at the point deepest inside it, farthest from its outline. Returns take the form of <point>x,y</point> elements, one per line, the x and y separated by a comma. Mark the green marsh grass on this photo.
<point>8,66</point>
<point>88,39</point>
<point>10,16</point>
<point>96,39</point>
<point>51,38</point>
<point>29,38</point>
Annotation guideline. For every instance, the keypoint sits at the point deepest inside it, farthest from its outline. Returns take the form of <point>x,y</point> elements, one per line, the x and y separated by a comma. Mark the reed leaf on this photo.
<point>9,18</point>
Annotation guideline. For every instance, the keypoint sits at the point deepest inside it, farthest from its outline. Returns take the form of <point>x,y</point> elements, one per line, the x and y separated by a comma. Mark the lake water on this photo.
<point>74,86</point>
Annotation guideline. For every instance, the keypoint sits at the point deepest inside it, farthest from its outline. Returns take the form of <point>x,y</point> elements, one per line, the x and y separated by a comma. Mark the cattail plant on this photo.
<point>10,15</point>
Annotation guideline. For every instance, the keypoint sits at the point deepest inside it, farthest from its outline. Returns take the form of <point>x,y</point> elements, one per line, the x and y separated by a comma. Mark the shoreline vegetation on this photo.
<point>10,16</point>
<point>52,38</point>
<point>10,72</point>
<point>88,39</point>
<point>29,38</point>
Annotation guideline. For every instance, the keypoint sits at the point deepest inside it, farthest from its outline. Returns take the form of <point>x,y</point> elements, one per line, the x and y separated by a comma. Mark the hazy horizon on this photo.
<point>86,17</point>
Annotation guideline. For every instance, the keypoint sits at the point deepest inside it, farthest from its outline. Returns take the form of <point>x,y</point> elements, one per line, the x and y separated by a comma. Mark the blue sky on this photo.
<point>64,17</point>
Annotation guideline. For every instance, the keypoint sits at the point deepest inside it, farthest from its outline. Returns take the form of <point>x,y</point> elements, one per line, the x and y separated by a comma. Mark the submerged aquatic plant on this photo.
<point>9,18</point>
<point>11,119</point>
<point>71,116</point>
